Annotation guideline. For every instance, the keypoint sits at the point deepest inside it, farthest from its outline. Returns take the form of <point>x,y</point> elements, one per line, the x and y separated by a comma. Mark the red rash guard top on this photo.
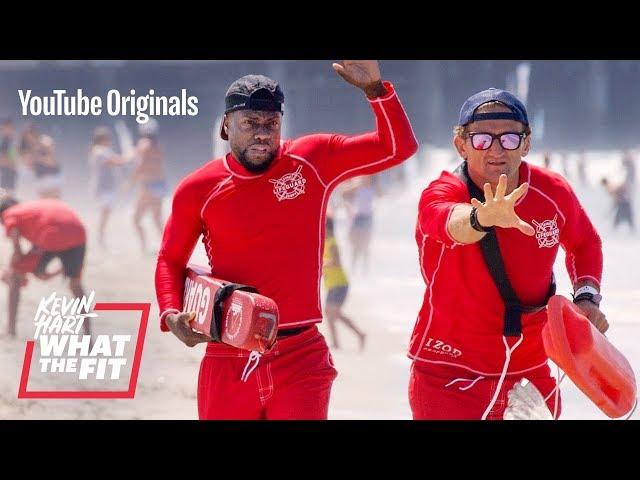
<point>49,224</point>
<point>461,319</point>
<point>267,230</point>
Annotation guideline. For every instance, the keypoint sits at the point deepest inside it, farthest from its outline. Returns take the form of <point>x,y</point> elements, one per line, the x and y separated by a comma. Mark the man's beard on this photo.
<point>256,168</point>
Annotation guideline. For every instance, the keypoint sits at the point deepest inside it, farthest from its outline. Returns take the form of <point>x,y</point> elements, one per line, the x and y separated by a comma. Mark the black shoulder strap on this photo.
<point>493,259</point>
<point>221,295</point>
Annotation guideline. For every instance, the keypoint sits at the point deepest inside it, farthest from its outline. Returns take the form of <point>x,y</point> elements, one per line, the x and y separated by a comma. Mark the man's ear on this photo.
<point>526,145</point>
<point>460,145</point>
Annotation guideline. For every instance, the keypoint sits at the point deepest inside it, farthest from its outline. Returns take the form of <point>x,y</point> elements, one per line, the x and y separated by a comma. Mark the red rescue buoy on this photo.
<point>246,320</point>
<point>594,365</point>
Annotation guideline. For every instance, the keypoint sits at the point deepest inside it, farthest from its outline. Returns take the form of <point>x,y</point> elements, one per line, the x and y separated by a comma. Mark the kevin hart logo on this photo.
<point>66,350</point>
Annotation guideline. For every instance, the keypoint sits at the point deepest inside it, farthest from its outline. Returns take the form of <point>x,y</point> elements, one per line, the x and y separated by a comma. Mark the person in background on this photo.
<point>337,286</point>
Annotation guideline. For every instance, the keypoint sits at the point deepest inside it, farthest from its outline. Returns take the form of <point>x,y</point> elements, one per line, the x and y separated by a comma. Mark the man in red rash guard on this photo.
<point>54,230</point>
<point>261,211</point>
<point>467,350</point>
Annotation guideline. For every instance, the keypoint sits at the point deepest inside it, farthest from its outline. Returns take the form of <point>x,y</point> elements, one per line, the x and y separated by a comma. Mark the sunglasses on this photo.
<point>508,140</point>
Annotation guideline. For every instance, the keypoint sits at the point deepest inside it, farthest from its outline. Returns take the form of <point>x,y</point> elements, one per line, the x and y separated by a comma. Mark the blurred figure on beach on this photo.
<point>53,230</point>
<point>104,164</point>
<point>622,206</point>
<point>337,287</point>
<point>8,157</point>
<point>37,152</point>
<point>629,167</point>
<point>149,174</point>
<point>359,198</point>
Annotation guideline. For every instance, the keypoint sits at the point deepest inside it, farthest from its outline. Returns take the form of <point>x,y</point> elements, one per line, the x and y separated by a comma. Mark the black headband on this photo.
<point>261,99</point>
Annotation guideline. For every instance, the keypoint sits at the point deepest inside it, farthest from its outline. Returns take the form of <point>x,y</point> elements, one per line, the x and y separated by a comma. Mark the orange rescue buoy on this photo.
<point>596,367</point>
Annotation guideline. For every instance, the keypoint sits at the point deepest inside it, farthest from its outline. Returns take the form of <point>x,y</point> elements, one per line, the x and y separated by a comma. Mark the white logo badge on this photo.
<point>234,320</point>
<point>289,186</point>
<point>547,232</point>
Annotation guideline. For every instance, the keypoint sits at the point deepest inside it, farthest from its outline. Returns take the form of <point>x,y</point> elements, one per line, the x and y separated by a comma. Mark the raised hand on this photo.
<point>364,74</point>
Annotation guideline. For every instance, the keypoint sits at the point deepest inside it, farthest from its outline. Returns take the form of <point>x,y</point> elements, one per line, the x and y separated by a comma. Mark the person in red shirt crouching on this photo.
<point>54,230</point>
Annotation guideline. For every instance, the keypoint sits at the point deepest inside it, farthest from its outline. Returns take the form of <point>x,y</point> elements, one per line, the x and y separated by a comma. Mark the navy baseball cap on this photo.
<point>253,92</point>
<point>468,111</point>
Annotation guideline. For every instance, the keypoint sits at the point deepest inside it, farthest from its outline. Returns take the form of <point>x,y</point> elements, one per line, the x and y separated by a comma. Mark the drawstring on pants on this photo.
<point>254,356</point>
<point>473,382</point>
<point>508,352</point>
<point>505,367</point>
<point>556,390</point>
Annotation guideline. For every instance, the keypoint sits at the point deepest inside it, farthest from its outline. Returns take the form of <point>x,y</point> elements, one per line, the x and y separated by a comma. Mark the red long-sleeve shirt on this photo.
<point>267,230</point>
<point>461,319</point>
<point>48,223</point>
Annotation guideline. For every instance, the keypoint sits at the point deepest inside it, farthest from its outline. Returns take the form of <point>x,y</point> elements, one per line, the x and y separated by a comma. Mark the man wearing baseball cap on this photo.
<point>261,209</point>
<point>488,235</point>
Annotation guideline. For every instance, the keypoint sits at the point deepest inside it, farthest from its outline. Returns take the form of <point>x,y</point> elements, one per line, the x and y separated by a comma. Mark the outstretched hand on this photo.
<point>498,210</point>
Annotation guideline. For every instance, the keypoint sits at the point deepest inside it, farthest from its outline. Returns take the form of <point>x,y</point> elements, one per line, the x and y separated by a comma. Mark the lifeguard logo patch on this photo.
<point>547,232</point>
<point>289,186</point>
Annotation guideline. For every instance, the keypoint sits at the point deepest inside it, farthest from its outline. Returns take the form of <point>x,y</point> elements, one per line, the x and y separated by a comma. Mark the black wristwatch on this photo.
<point>594,298</point>
<point>475,224</point>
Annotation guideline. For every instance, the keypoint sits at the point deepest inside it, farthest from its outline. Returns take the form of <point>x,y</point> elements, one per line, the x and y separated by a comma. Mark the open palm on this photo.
<point>498,210</point>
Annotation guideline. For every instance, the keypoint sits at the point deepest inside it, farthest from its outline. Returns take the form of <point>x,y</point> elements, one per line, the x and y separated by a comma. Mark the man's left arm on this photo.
<point>393,140</point>
<point>584,262</point>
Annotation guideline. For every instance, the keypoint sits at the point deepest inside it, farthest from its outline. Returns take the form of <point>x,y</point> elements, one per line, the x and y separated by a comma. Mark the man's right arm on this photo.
<point>446,216</point>
<point>459,225</point>
<point>180,235</point>
<point>438,203</point>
